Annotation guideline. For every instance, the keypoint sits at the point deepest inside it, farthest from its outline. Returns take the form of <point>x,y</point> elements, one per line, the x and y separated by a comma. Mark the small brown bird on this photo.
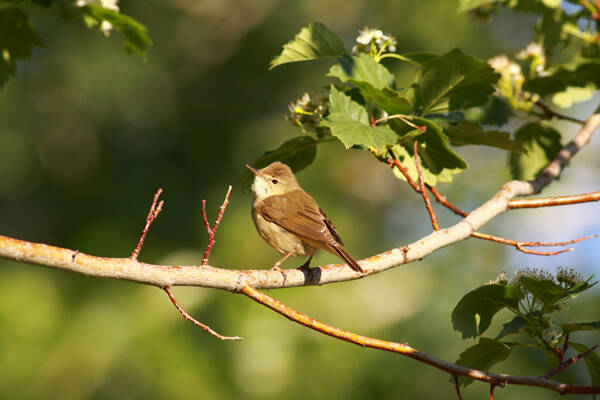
<point>290,220</point>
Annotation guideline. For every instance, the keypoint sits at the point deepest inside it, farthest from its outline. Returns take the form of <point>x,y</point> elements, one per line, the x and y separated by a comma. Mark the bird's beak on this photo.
<point>254,170</point>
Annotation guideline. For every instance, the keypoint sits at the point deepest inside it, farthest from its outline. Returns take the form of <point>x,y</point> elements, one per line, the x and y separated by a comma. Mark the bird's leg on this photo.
<point>285,257</point>
<point>306,265</point>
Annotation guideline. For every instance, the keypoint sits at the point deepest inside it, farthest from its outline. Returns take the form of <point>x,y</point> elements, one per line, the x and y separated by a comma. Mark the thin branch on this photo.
<point>152,214</point>
<point>408,351</point>
<point>521,245</point>
<point>212,232</point>
<point>434,222</point>
<point>549,114</point>
<point>553,201</point>
<point>570,361</point>
<point>393,162</point>
<point>195,321</point>
<point>457,386</point>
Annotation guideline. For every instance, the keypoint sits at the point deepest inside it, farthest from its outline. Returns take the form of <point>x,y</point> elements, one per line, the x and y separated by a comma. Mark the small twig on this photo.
<point>393,162</point>
<point>554,201</point>
<point>457,386</point>
<point>560,353</point>
<point>152,214</point>
<point>570,361</point>
<point>434,222</point>
<point>212,232</point>
<point>444,201</point>
<point>187,316</point>
<point>492,387</point>
<point>401,117</point>
<point>549,113</point>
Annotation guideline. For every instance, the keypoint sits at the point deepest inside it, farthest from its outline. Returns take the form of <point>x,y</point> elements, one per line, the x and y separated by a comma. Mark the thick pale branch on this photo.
<point>408,351</point>
<point>206,276</point>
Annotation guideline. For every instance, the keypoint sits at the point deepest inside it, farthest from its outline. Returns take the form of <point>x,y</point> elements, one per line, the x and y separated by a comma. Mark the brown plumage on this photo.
<point>290,220</point>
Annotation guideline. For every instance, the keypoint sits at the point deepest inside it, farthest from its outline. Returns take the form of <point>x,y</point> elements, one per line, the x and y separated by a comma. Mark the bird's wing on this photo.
<point>298,213</point>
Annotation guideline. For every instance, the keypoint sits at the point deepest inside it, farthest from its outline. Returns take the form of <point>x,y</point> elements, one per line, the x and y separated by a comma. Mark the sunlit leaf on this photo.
<point>314,41</point>
<point>573,95</point>
<point>298,153</point>
<point>349,122</point>
<point>592,362</point>
<point>542,144</point>
<point>474,312</point>
<point>137,39</point>
<point>362,68</point>
<point>468,5</point>
<point>462,81</point>
<point>483,356</point>
<point>469,133</point>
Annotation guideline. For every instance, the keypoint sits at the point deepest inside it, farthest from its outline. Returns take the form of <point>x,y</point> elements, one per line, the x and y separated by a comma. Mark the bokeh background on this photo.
<point>87,135</point>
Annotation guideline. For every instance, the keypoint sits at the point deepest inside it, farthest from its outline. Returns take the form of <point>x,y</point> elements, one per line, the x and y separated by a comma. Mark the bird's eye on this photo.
<point>275,181</point>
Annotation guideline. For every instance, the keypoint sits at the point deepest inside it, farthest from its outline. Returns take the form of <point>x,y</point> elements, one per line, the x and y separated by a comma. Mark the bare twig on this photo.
<point>554,201</point>
<point>212,232</point>
<point>434,222</point>
<point>393,162</point>
<point>549,114</point>
<point>457,386</point>
<point>152,214</point>
<point>187,316</point>
<point>408,351</point>
<point>521,246</point>
<point>570,361</point>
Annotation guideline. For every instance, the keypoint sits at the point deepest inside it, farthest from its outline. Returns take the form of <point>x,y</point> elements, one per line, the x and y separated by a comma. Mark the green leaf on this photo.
<point>483,356</point>
<point>362,69</point>
<point>349,122</point>
<point>473,313</point>
<point>313,42</point>
<point>137,39</point>
<point>438,161</point>
<point>560,80</point>
<point>468,5</point>
<point>387,99</point>
<point>17,38</point>
<point>573,95</point>
<point>495,112</point>
<point>416,57</point>
<point>512,327</point>
<point>541,143</point>
<point>460,80</point>
<point>592,362</point>
<point>580,326</point>
<point>469,133</point>
<point>544,289</point>
<point>298,153</point>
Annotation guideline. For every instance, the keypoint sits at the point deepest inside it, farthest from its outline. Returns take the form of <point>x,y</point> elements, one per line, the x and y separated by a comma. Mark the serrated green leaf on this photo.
<point>386,99</point>
<point>137,39</point>
<point>312,42</point>
<point>460,80</point>
<point>439,162</point>
<point>544,289</point>
<point>580,326</point>
<point>17,38</point>
<point>541,143</point>
<point>474,312</point>
<point>468,5</point>
<point>560,80</point>
<point>469,133</point>
<point>592,362</point>
<point>483,356</point>
<point>298,153</point>
<point>362,68</point>
<point>495,112</point>
<point>512,327</point>
<point>349,122</point>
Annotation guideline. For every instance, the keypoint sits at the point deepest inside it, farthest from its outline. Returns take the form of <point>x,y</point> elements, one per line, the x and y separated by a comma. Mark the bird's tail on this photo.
<point>339,250</point>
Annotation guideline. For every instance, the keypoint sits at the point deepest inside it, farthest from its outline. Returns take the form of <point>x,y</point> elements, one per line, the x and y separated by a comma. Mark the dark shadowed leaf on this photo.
<point>512,327</point>
<point>362,68</point>
<point>544,289</point>
<point>473,313</point>
<point>17,38</point>
<point>460,80</point>
<point>581,326</point>
<point>495,112</point>
<point>592,362</point>
<point>387,99</point>
<point>563,78</point>
<point>349,122</point>
<point>137,39</point>
<point>469,133</point>
<point>314,41</point>
<point>541,143</point>
<point>483,356</point>
<point>438,161</point>
<point>298,153</point>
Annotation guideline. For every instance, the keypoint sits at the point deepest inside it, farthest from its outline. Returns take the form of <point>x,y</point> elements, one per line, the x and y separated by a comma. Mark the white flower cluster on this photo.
<point>534,54</point>
<point>507,68</point>
<point>374,41</point>
<point>105,26</point>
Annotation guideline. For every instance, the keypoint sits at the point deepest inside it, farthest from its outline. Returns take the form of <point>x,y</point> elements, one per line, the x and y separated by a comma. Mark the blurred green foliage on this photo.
<point>88,133</point>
